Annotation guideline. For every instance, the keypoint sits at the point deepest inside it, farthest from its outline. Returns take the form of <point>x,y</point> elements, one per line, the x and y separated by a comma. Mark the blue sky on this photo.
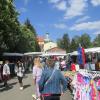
<point>57,17</point>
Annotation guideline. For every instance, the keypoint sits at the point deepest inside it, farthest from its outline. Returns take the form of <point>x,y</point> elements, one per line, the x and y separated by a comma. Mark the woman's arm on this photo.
<point>63,82</point>
<point>41,81</point>
<point>34,75</point>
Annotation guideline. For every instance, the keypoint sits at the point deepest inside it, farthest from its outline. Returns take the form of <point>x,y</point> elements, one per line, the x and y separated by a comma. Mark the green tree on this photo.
<point>73,45</point>
<point>64,43</point>
<point>26,41</point>
<point>13,36</point>
<point>96,41</point>
<point>29,26</point>
<point>9,26</point>
<point>59,43</point>
<point>32,29</point>
<point>85,41</point>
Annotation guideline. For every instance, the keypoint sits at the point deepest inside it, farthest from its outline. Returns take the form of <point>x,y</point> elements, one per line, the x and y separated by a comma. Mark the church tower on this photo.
<point>47,39</point>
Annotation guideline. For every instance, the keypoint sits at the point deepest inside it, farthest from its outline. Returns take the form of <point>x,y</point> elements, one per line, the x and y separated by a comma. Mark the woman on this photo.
<point>37,71</point>
<point>1,70</point>
<point>6,73</point>
<point>53,82</point>
<point>73,67</point>
<point>19,69</point>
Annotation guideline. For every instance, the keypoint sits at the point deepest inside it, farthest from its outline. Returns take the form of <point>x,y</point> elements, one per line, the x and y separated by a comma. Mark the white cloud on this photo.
<point>22,10</point>
<point>61,5</point>
<point>76,8</point>
<point>54,1</point>
<point>95,2</point>
<point>60,26</point>
<point>84,18</point>
<point>87,26</point>
<point>71,8</point>
<point>97,32</point>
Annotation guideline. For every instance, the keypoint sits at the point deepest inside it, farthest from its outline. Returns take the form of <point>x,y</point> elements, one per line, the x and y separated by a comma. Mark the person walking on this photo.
<point>57,64</point>
<point>1,70</point>
<point>6,73</point>
<point>52,83</point>
<point>37,72</point>
<point>63,65</point>
<point>19,69</point>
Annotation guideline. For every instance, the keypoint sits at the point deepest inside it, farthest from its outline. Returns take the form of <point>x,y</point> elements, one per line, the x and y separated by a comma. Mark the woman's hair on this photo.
<point>6,61</point>
<point>37,62</point>
<point>19,64</point>
<point>50,63</point>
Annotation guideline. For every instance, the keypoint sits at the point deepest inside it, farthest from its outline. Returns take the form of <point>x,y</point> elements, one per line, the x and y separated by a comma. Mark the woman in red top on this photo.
<point>73,67</point>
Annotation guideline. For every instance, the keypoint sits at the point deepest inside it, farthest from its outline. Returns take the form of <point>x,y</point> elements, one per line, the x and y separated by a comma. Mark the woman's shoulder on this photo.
<point>35,67</point>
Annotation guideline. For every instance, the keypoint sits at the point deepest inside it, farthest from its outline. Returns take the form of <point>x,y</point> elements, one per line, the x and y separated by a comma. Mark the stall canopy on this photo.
<point>54,54</point>
<point>33,53</point>
<point>12,54</point>
<point>93,50</point>
<point>89,50</point>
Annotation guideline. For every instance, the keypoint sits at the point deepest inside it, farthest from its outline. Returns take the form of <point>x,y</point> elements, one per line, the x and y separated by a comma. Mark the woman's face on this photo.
<point>38,59</point>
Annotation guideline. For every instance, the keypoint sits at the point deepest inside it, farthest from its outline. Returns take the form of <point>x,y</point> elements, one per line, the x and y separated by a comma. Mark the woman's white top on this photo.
<point>19,71</point>
<point>6,69</point>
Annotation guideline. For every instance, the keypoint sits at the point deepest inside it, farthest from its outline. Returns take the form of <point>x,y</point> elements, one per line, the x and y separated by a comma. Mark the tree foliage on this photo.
<point>96,41</point>
<point>34,35</point>
<point>9,26</point>
<point>15,37</point>
<point>84,40</point>
<point>73,45</point>
<point>64,43</point>
<point>29,26</point>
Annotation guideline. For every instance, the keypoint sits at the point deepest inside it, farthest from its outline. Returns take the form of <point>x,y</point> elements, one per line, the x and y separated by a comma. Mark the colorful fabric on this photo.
<point>86,88</point>
<point>81,56</point>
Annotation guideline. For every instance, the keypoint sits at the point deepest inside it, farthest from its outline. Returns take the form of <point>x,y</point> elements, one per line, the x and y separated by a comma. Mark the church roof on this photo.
<point>40,39</point>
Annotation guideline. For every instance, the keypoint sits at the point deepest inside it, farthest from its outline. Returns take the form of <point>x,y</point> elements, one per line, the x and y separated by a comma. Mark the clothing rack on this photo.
<point>91,73</point>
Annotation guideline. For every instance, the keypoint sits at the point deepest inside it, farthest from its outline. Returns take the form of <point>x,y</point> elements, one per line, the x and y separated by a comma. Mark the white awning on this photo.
<point>75,53</point>
<point>33,53</point>
<point>89,50</point>
<point>54,54</point>
<point>12,54</point>
<point>92,50</point>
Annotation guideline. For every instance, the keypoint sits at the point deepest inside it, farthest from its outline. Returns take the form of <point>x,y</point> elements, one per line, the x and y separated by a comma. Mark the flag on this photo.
<point>81,56</point>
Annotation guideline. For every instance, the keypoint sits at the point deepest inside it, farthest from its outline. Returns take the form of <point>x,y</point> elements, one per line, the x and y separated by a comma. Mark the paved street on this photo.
<point>13,93</point>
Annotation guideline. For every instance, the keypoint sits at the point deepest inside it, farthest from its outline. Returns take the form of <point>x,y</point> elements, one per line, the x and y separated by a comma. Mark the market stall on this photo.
<point>86,85</point>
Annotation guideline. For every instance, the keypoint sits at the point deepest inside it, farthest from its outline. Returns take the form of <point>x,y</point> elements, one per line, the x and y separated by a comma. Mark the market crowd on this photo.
<point>52,77</point>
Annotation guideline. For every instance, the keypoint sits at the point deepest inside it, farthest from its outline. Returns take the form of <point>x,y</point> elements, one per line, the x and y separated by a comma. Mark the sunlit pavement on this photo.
<point>14,93</point>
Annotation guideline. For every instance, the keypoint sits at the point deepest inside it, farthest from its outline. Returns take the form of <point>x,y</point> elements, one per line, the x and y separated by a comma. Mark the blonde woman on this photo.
<point>37,72</point>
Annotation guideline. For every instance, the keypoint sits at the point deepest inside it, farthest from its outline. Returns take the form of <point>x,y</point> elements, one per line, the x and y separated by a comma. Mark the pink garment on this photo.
<point>80,78</point>
<point>99,95</point>
<point>37,72</point>
<point>63,64</point>
<point>98,83</point>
